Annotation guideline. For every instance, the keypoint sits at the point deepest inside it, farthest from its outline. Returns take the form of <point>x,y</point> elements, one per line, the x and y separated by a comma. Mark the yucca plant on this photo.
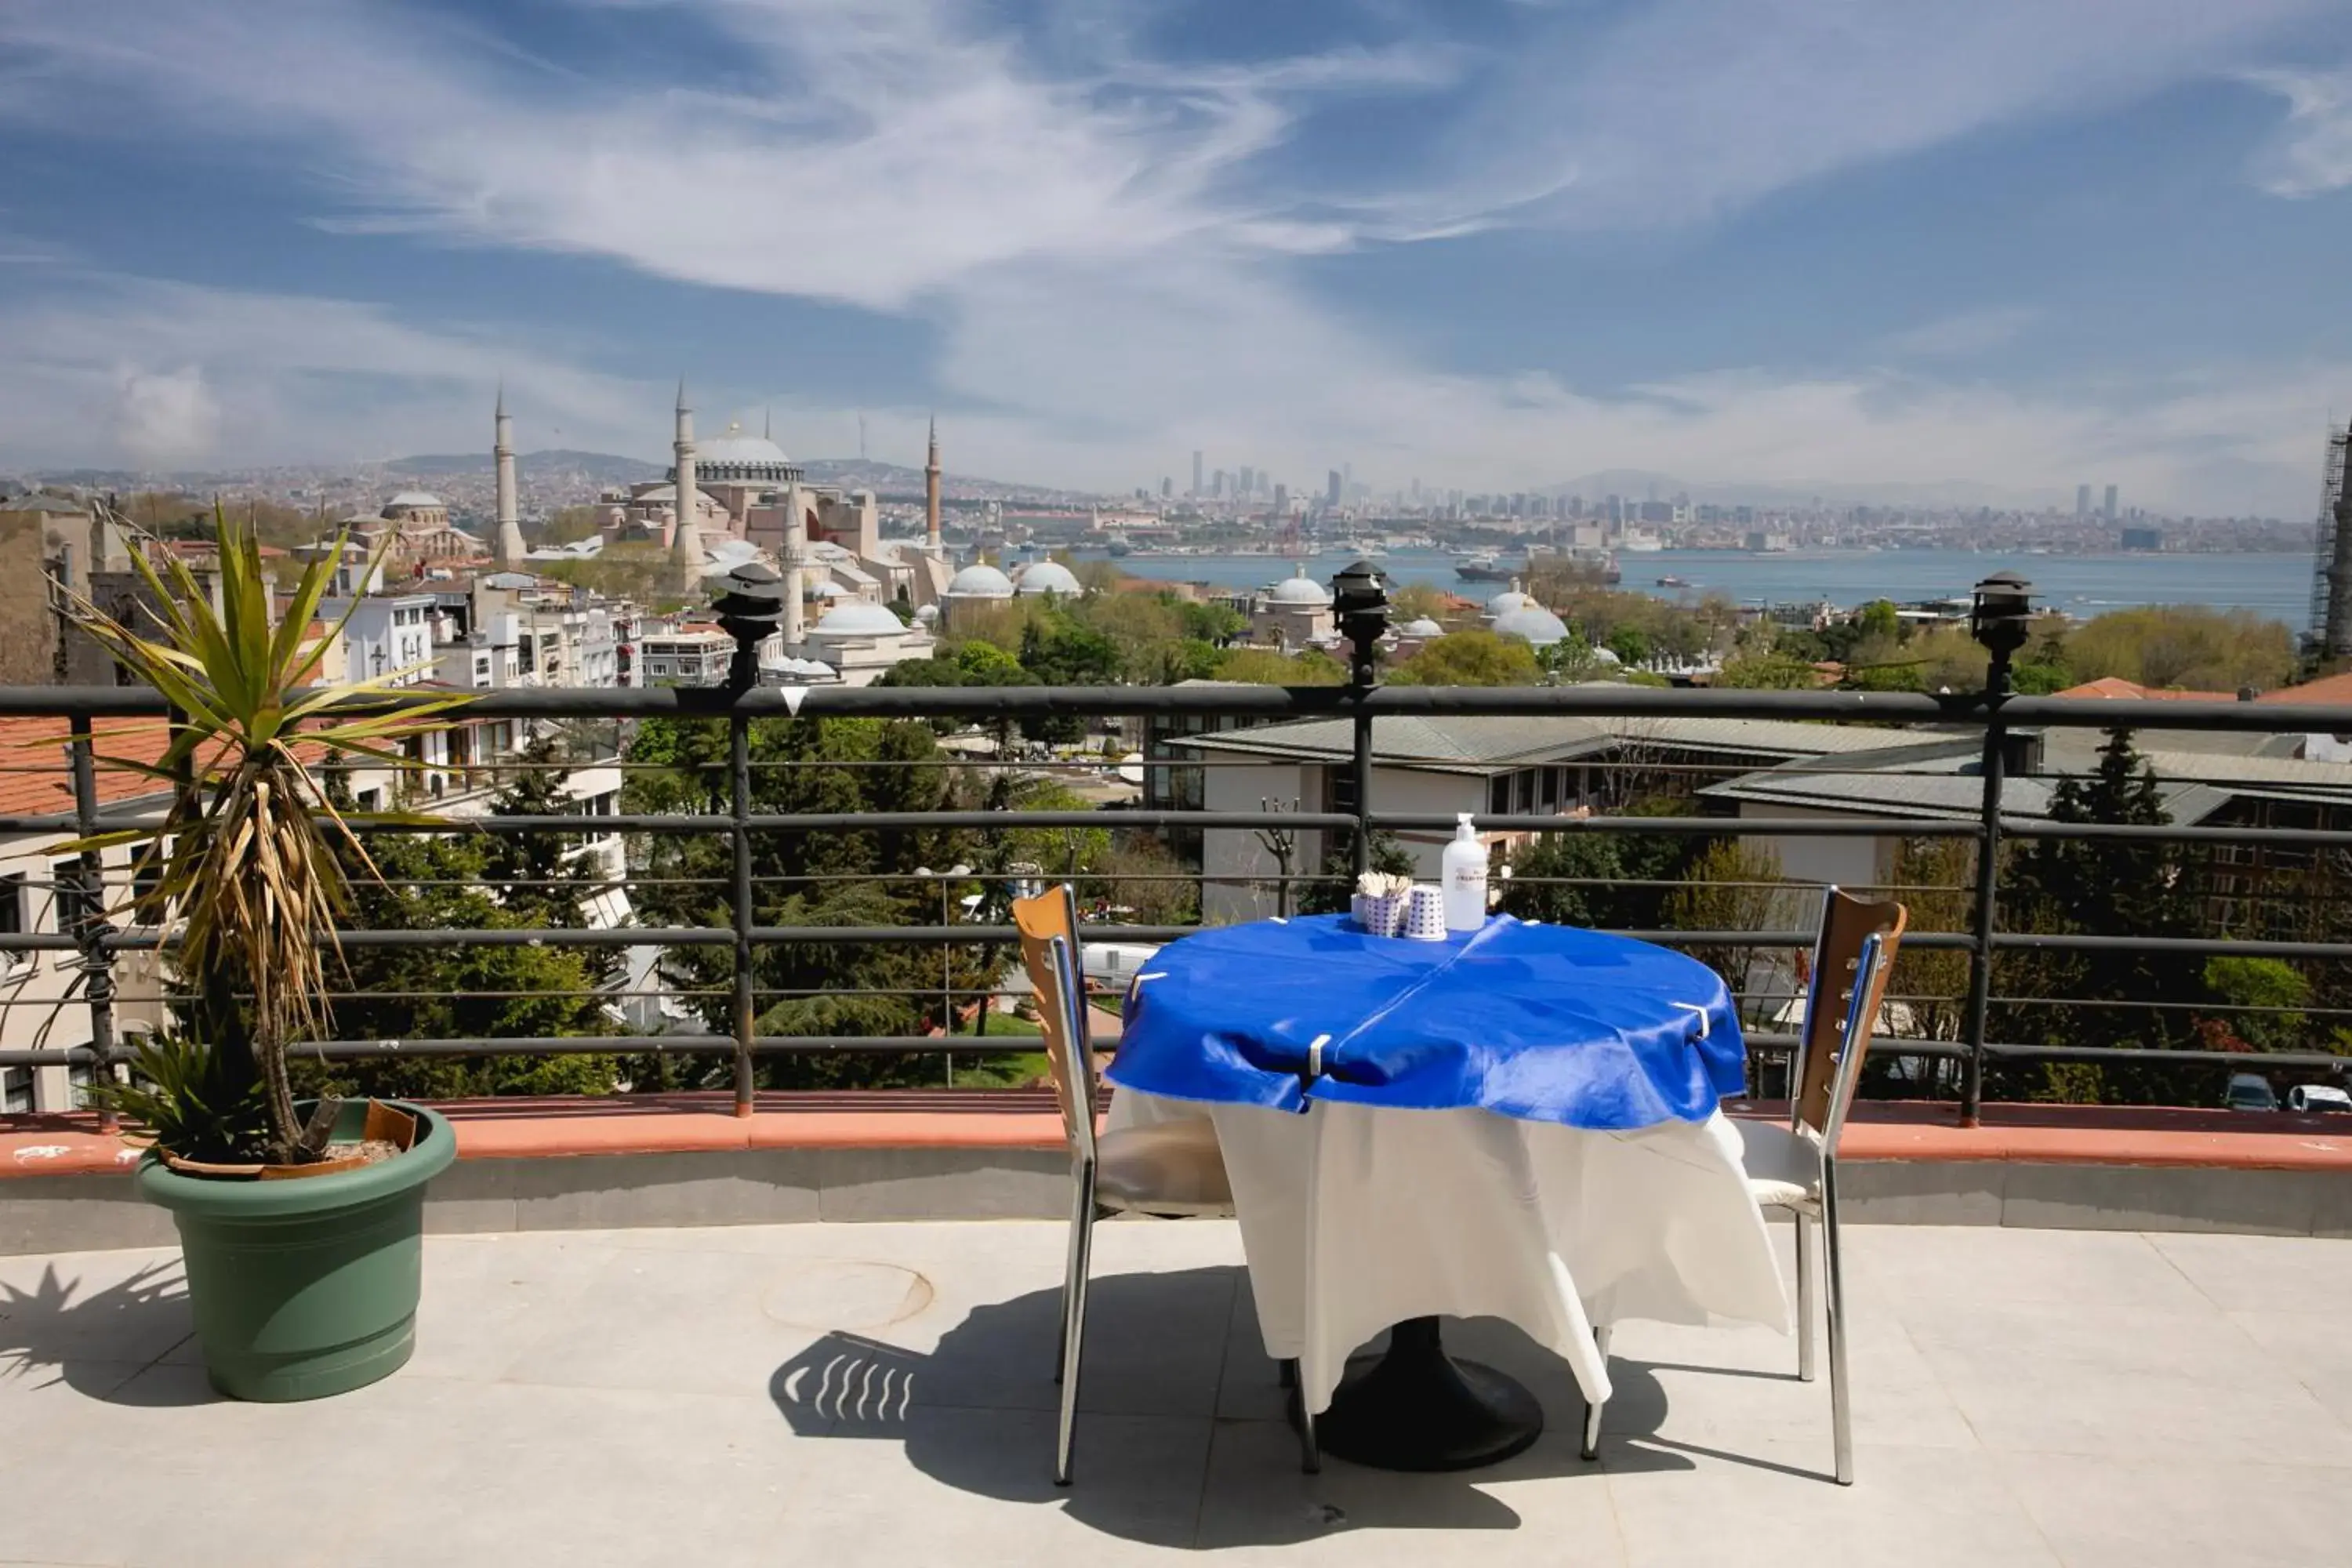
<point>244,859</point>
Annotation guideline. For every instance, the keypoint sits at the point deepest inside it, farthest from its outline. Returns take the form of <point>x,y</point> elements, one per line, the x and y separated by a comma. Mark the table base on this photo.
<point>1417,1408</point>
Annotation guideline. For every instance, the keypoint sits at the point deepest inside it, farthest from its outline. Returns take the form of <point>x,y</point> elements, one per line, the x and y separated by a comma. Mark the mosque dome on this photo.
<point>981,581</point>
<point>928,614</point>
<point>1301,590</point>
<point>413,500</point>
<point>1533,621</point>
<point>857,618</point>
<point>1504,603</point>
<point>1423,627</point>
<point>734,456</point>
<point>1048,577</point>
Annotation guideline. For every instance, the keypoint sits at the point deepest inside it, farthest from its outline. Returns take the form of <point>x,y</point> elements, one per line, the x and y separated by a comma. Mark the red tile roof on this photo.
<point>2327,688</point>
<point>2116,686</point>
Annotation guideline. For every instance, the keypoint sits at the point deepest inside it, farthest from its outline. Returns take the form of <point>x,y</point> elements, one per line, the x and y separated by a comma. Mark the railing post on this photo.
<point>1988,842</point>
<point>91,928</point>
<point>1363,771</point>
<point>1360,599</point>
<point>739,769</point>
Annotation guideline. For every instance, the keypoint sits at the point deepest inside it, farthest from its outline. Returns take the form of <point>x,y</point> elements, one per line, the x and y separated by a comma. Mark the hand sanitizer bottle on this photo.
<point>1463,870</point>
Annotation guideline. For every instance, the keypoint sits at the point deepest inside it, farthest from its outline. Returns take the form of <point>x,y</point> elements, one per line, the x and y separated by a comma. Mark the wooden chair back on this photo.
<point>1048,924</point>
<point>1820,1091</point>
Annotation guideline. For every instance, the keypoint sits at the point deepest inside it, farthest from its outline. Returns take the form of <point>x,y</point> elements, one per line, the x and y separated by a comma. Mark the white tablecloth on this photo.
<point>1355,1217</point>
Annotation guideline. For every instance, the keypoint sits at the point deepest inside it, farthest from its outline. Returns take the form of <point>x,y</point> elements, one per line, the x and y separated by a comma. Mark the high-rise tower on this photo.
<point>686,538</point>
<point>509,544</point>
<point>931,488</point>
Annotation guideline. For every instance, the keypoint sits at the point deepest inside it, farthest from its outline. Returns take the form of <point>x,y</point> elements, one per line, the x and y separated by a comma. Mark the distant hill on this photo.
<point>604,468</point>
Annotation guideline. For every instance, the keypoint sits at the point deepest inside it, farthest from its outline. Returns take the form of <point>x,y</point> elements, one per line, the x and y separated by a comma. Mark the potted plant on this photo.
<point>301,1287</point>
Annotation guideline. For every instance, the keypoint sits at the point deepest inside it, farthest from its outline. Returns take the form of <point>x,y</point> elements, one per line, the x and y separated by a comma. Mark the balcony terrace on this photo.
<point>639,1343</point>
<point>880,1393</point>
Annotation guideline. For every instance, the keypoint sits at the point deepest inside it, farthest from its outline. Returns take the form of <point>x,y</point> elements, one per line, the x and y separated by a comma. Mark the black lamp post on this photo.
<point>1999,619</point>
<point>1361,598</point>
<point>751,607</point>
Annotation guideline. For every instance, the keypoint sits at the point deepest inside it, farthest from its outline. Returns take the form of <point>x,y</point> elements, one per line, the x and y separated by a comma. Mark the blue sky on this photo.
<point>1870,243</point>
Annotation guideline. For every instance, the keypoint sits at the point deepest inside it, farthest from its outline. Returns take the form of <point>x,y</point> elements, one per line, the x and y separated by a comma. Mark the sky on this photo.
<point>1485,244</point>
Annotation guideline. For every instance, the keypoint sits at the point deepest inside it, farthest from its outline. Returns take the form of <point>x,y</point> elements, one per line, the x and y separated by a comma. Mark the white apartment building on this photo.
<point>392,635</point>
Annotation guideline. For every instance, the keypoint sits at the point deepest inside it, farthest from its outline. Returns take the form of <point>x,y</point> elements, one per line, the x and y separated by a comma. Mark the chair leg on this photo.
<point>1074,1322</point>
<point>1806,1267</point>
<point>1592,1409</point>
<point>1286,1372</point>
<point>1310,1451</point>
<point>1841,1410</point>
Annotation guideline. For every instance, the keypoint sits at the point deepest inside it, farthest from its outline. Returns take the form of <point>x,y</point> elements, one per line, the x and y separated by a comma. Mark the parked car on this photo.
<point>2250,1091</point>
<point>2319,1097</point>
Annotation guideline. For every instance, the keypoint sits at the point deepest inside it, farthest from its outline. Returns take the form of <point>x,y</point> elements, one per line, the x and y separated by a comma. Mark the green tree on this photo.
<point>1730,885</point>
<point>1769,672</point>
<point>2104,886</point>
<point>1269,667</point>
<point>862,877</point>
<point>466,992</point>
<point>1469,659</point>
<point>1218,624</point>
<point>2190,646</point>
<point>1630,644</point>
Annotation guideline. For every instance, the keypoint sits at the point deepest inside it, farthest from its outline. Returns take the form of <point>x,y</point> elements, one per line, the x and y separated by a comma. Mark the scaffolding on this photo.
<point>2330,639</point>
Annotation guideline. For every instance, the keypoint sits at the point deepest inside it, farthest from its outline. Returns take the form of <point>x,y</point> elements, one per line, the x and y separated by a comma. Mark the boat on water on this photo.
<point>1671,581</point>
<point>1487,569</point>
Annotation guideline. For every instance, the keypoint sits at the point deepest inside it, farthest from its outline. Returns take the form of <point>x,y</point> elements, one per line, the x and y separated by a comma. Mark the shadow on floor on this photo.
<point>1155,1462</point>
<point>99,1340</point>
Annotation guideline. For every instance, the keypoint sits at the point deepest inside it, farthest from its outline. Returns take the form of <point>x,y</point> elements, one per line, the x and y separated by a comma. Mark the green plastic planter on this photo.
<point>306,1287</point>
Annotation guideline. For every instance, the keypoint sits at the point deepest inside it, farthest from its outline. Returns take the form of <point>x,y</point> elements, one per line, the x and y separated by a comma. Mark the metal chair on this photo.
<point>1171,1168</point>
<point>1795,1167</point>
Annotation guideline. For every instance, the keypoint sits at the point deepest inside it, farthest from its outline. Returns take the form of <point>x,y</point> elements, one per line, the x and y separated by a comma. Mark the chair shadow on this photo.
<point>101,1342</point>
<point>978,1414</point>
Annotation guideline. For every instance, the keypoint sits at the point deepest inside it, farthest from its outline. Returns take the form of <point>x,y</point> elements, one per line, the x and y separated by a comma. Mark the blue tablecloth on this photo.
<point>1548,1023</point>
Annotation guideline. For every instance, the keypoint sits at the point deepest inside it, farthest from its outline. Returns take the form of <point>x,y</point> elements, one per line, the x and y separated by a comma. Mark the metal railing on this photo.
<point>97,944</point>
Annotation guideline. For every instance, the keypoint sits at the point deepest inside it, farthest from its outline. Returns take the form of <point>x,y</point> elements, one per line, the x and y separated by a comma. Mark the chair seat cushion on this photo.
<point>1168,1167</point>
<point>1784,1166</point>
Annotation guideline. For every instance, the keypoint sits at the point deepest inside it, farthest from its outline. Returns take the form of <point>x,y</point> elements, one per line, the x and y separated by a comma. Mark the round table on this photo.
<point>1536,1023</point>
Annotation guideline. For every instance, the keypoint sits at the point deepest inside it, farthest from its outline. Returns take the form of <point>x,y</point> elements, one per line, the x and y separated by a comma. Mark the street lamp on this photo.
<point>2000,619</point>
<point>1361,598</point>
<point>751,607</point>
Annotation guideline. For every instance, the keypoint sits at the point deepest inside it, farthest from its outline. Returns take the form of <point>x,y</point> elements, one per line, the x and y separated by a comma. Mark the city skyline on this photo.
<point>1470,246</point>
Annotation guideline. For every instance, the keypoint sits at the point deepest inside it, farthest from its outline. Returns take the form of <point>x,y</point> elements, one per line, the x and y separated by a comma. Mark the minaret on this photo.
<point>796,562</point>
<point>931,488</point>
<point>686,538</point>
<point>510,546</point>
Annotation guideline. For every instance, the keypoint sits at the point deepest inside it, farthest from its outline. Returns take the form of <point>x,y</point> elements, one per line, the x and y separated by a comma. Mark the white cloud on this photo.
<point>1105,240</point>
<point>124,370</point>
<point>168,416</point>
<point>1681,110</point>
<point>1963,334</point>
<point>2312,154</point>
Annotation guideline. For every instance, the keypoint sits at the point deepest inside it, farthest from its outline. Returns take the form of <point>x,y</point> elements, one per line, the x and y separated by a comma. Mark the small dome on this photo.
<point>928,614</point>
<point>1605,656</point>
<point>1535,623</point>
<point>981,581</point>
<point>407,501</point>
<point>1423,627</point>
<point>1300,590</point>
<point>1504,603</point>
<point>827,588</point>
<point>857,618</point>
<point>1048,577</point>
